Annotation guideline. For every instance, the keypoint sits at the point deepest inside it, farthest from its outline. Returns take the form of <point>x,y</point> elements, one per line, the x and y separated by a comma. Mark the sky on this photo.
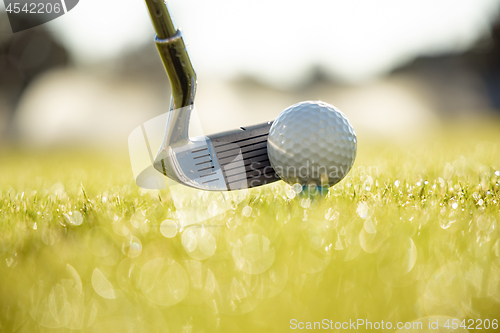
<point>279,41</point>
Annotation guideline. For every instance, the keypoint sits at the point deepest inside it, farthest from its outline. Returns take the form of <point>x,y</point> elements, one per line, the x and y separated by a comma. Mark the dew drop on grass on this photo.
<point>362,209</point>
<point>207,245</point>
<point>189,240</point>
<point>445,224</point>
<point>168,228</point>
<point>128,274</point>
<point>497,173</point>
<point>396,183</point>
<point>9,261</point>
<point>247,211</point>
<point>369,226</point>
<point>102,286</point>
<point>58,311</point>
<point>454,205</point>
<point>396,259</point>
<point>290,193</point>
<point>297,188</point>
<point>238,291</point>
<point>213,209</point>
<point>76,218</point>
<point>305,203</point>
<point>121,230</point>
<point>315,242</point>
<point>370,242</point>
<point>132,248</point>
<point>199,243</point>
<point>331,214</point>
<point>138,218</point>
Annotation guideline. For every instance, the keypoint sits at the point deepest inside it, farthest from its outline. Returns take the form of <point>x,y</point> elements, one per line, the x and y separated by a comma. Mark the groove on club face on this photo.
<point>242,156</point>
<point>204,165</point>
<point>193,164</point>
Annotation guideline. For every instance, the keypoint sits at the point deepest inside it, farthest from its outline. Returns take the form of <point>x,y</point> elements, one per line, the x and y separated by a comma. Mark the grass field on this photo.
<point>411,235</point>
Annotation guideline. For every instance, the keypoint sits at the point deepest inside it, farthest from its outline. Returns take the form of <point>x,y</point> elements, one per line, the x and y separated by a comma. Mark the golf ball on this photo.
<point>312,143</point>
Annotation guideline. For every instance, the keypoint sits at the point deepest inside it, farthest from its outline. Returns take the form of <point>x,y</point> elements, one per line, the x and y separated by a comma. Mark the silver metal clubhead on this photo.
<point>226,161</point>
<point>193,164</point>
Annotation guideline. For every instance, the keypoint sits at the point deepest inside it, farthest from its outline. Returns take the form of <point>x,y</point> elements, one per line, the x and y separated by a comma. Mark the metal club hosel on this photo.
<point>180,70</point>
<point>182,76</point>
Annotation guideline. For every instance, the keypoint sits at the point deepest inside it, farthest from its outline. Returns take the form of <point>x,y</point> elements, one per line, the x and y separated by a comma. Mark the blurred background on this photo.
<point>411,233</point>
<point>397,69</point>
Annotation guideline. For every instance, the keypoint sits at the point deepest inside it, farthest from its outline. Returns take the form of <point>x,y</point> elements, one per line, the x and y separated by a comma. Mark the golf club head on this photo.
<point>226,161</point>
<point>193,164</point>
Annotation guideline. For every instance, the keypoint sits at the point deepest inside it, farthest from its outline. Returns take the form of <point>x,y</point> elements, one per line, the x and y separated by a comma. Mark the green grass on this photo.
<point>411,233</point>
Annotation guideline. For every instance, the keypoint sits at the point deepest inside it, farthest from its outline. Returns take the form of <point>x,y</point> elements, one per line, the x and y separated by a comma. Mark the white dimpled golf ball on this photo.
<point>312,143</point>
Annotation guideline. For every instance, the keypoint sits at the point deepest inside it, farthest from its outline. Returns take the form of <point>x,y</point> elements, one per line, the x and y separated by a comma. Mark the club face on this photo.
<point>225,161</point>
<point>242,155</point>
<point>193,164</point>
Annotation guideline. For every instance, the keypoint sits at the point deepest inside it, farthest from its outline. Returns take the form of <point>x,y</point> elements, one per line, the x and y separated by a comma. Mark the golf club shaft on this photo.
<point>162,22</point>
<point>174,55</point>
